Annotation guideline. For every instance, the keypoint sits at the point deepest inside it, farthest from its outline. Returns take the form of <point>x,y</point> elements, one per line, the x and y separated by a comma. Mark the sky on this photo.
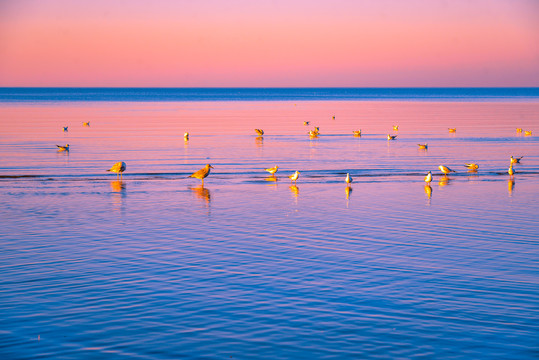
<point>279,43</point>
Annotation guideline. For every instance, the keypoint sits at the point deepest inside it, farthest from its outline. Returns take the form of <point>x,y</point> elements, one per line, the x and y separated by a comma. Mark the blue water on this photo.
<point>264,94</point>
<point>250,267</point>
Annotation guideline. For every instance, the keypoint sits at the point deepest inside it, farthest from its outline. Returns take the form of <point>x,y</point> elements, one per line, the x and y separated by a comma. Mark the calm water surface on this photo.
<point>158,267</point>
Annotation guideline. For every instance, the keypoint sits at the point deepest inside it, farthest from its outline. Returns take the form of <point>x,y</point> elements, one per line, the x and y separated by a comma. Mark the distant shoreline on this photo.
<point>153,94</point>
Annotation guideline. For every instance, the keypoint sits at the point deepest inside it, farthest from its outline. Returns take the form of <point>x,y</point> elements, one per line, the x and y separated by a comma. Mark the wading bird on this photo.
<point>472,166</point>
<point>202,173</point>
<point>294,177</point>
<point>445,169</point>
<point>118,168</point>
<point>348,179</point>
<point>272,170</point>
<point>515,160</point>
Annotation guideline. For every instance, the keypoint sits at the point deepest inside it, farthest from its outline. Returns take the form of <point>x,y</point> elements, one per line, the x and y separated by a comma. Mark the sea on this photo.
<point>155,265</point>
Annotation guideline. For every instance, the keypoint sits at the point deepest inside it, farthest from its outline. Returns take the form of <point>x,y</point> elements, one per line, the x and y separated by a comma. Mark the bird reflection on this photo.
<point>271,178</point>
<point>510,186</point>
<point>259,141</point>
<point>118,189</point>
<point>295,191</point>
<point>444,180</point>
<point>348,190</point>
<point>117,186</point>
<point>202,193</point>
<point>428,191</point>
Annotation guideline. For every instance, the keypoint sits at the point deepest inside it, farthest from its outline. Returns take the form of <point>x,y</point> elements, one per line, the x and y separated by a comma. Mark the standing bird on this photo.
<point>391,137</point>
<point>118,168</point>
<point>272,170</point>
<point>528,133</point>
<point>260,132</point>
<point>396,127</point>
<point>294,177</point>
<point>510,171</point>
<point>445,169</point>
<point>357,133</point>
<point>186,136</point>
<point>202,173</point>
<point>306,123</point>
<point>423,146</point>
<point>519,130</point>
<point>472,166</point>
<point>65,128</point>
<point>87,123</point>
<point>348,179</point>
<point>452,130</point>
<point>63,148</point>
<point>516,160</point>
<point>428,178</point>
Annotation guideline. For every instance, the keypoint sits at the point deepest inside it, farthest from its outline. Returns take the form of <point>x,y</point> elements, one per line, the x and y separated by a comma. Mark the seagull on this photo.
<point>428,178</point>
<point>472,166</point>
<point>272,170</point>
<point>294,177</point>
<point>357,132</point>
<point>445,169</point>
<point>391,137</point>
<point>333,117</point>
<point>202,173</point>
<point>516,160</point>
<point>510,171</point>
<point>260,132</point>
<point>396,127</point>
<point>65,128</point>
<point>519,130</point>
<point>118,168</point>
<point>63,148</point>
<point>313,133</point>
<point>423,146</point>
<point>306,123</point>
<point>527,132</point>
<point>348,179</point>
<point>186,136</point>
<point>86,123</point>
<point>452,129</point>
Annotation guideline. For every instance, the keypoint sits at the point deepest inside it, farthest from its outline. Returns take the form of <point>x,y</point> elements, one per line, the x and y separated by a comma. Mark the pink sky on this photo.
<point>183,43</point>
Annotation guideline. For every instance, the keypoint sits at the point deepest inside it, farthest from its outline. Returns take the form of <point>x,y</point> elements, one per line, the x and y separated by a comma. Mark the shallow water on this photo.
<point>158,267</point>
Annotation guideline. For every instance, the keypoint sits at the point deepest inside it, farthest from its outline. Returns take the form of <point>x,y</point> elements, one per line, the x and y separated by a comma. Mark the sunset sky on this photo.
<point>186,43</point>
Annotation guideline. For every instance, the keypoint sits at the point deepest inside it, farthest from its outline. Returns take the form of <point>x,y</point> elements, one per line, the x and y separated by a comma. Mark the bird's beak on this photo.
<point>211,166</point>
